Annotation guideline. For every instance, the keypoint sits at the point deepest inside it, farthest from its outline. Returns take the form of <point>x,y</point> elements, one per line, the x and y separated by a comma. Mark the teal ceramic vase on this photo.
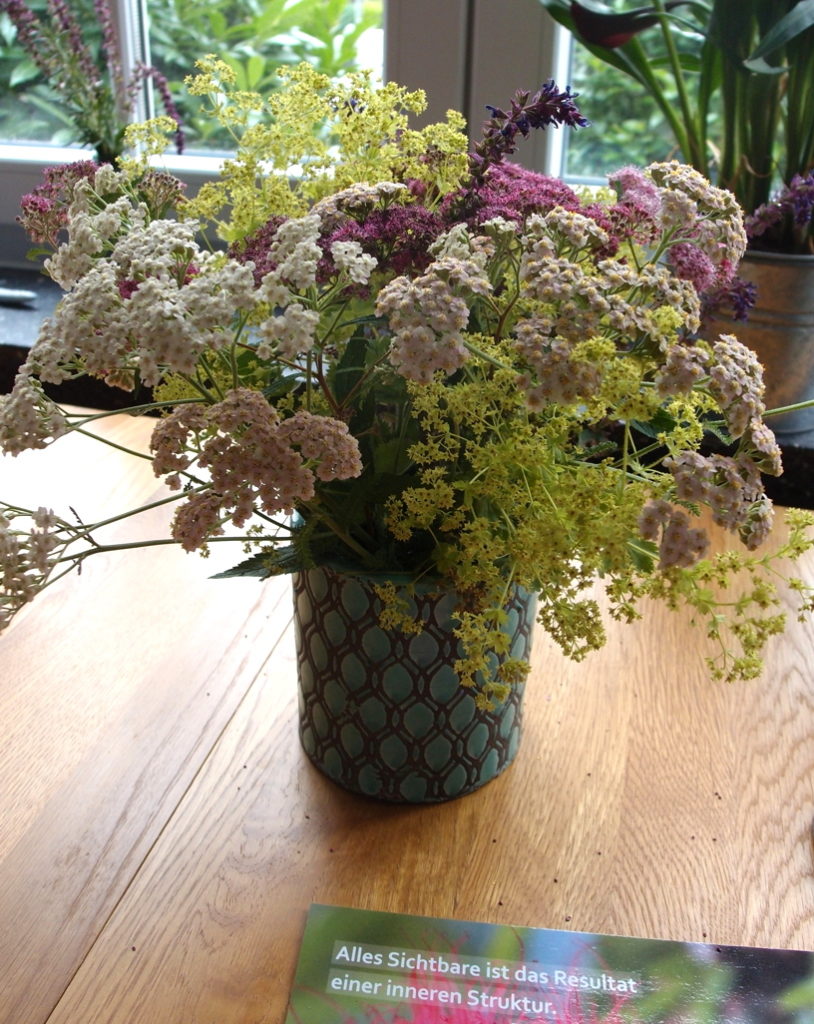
<point>382,713</point>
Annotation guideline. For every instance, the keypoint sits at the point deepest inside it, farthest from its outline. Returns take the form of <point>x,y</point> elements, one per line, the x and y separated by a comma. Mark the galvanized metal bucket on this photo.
<point>780,329</point>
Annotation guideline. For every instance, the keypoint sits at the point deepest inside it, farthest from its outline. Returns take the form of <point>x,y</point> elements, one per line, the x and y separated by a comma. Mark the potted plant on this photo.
<point>430,384</point>
<point>738,97</point>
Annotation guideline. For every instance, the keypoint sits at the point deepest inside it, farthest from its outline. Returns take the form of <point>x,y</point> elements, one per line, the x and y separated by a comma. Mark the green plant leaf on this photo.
<point>717,428</point>
<point>281,561</point>
<point>797,20</point>
<point>350,368</point>
<point>25,71</point>
<point>257,565</point>
<point>391,457</point>
<point>255,70</point>
<point>643,555</point>
<point>661,423</point>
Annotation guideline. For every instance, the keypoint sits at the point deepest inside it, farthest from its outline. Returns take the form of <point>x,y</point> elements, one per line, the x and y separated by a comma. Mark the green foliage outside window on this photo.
<point>30,111</point>
<point>253,36</point>
<point>626,124</point>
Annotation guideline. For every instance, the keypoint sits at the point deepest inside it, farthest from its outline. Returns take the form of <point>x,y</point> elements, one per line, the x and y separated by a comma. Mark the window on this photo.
<point>626,124</point>
<point>464,53</point>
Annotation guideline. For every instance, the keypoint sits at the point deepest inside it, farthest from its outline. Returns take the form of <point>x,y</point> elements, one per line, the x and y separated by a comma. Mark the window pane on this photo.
<point>31,109</point>
<point>626,125</point>
<point>255,37</point>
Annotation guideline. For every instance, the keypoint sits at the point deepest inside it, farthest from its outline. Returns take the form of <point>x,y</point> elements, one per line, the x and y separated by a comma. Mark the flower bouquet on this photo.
<point>370,349</point>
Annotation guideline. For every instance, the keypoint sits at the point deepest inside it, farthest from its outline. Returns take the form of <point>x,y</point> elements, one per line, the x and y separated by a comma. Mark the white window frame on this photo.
<point>463,53</point>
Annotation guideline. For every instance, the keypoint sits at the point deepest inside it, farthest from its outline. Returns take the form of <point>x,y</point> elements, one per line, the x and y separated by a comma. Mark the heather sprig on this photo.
<point>548,107</point>
<point>90,85</point>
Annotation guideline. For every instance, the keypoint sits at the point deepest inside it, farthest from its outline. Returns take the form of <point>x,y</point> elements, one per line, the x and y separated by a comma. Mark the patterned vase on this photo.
<point>382,713</point>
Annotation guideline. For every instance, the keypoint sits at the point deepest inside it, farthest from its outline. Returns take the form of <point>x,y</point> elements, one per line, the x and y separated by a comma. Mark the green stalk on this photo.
<point>346,538</point>
<point>694,149</point>
<point>789,408</point>
<point>137,511</point>
<point>113,444</point>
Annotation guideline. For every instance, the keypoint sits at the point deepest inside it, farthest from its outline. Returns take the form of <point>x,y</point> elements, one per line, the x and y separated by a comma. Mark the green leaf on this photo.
<point>218,24</point>
<point>25,71</point>
<point>643,555</point>
<point>798,20</point>
<point>255,69</point>
<point>718,430</point>
<point>391,457</point>
<point>257,565</point>
<point>279,562</point>
<point>350,367</point>
<point>280,386</point>
<point>661,423</point>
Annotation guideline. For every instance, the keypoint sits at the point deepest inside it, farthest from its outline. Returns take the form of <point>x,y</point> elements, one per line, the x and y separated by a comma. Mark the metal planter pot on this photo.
<point>780,329</point>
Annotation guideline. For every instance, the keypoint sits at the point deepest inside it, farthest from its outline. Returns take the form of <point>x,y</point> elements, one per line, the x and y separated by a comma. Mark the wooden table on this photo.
<point>162,834</point>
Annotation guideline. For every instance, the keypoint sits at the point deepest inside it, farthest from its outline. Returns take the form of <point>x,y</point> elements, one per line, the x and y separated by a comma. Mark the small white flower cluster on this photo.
<point>291,329</point>
<point>583,299</point>
<point>289,333</point>
<point>499,228</point>
<point>324,442</point>
<point>663,289</point>
<point>252,459</point>
<point>703,214</point>
<point>736,381</point>
<point>27,557</point>
<point>295,254</point>
<point>573,231</point>
<point>557,376</point>
<point>556,267</point>
<point>427,315</point>
<point>427,319</point>
<point>683,368</point>
<point>763,449</point>
<point>90,235</point>
<point>553,246</point>
<point>731,487</point>
<point>549,278</point>
<point>27,418</point>
<point>154,304</point>
<point>350,259</point>
<point>680,545</point>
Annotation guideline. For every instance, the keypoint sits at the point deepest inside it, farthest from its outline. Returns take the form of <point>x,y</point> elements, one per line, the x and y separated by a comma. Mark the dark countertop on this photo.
<point>19,324</point>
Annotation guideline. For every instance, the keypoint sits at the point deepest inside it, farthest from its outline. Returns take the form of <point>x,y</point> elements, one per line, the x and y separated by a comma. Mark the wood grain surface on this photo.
<point>163,835</point>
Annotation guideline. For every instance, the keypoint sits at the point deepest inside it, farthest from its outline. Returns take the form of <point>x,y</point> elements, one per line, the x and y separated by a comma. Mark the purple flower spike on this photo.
<point>549,106</point>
